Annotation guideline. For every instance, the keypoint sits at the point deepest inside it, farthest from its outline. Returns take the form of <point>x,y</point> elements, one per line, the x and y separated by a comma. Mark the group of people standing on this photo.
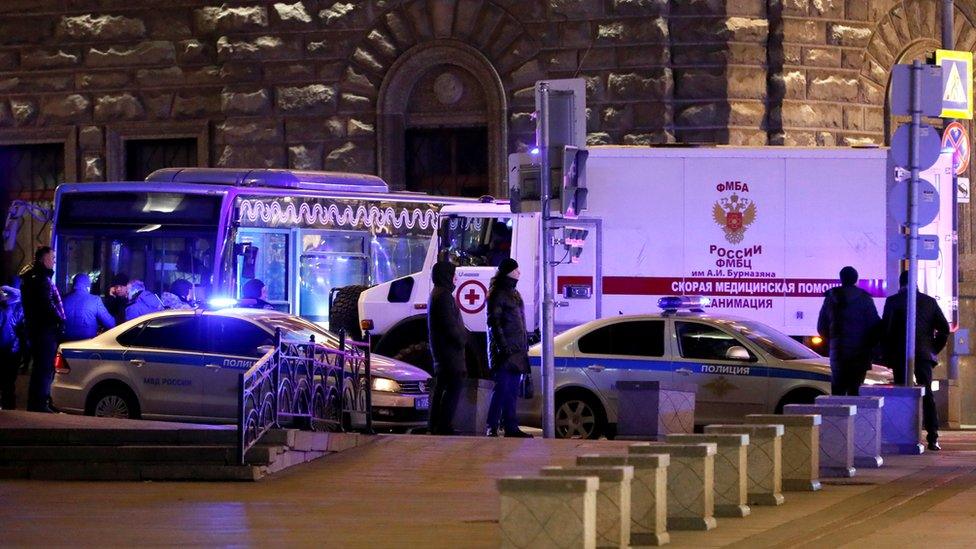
<point>34,320</point>
<point>850,322</point>
<point>508,347</point>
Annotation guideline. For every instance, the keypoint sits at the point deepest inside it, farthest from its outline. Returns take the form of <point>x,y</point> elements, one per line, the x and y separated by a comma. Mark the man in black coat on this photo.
<point>508,346</point>
<point>44,318</point>
<point>448,337</point>
<point>849,321</point>
<point>117,298</point>
<point>931,335</point>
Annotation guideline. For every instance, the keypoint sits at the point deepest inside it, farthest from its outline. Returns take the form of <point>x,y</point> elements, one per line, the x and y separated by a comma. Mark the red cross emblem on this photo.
<point>471,296</point>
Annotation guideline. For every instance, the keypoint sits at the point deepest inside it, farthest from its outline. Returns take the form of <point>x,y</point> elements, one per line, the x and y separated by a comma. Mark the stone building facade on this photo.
<point>94,90</point>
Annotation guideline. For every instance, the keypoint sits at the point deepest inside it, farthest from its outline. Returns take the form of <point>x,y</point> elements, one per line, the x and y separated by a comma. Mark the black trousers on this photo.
<point>9,368</point>
<point>923,378</point>
<point>847,376</point>
<point>44,347</point>
<point>443,402</point>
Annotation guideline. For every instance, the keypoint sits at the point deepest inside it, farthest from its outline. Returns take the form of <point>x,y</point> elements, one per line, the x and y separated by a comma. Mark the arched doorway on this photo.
<point>441,122</point>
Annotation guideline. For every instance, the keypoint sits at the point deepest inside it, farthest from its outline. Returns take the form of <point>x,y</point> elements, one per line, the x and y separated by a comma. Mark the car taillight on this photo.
<point>61,365</point>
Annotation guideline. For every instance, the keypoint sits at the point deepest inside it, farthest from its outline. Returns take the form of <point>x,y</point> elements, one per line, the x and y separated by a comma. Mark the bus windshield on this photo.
<point>157,238</point>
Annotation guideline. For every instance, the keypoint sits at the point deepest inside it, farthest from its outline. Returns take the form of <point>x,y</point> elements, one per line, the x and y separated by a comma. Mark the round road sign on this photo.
<point>956,138</point>
<point>928,202</point>
<point>471,296</point>
<point>929,146</point>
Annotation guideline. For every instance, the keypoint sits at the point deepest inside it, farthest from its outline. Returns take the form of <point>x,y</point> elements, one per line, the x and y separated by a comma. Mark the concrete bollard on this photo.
<point>867,427</point>
<point>612,500</point>
<point>548,512</point>
<point>691,483</point>
<point>648,494</point>
<point>731,480</point>
<point>649,410</point>
<point>800,449</point>
<point>836,436</point>
<point>901,418</point>
<point>765,460</point>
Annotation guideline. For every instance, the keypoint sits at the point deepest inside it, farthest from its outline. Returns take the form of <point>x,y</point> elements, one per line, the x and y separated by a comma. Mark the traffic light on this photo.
<point>566,130</point>
<point>567,178</point>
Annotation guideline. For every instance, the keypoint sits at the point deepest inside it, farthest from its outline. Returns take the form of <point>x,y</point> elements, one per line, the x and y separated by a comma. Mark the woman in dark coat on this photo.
<point>508,347</point>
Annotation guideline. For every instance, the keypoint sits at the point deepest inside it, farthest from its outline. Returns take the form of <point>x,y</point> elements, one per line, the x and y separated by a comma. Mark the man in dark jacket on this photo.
<point>254,294</point>
<point>84,313</point>
<point>117,298</point>
<point>11,329</point>
<point>44,316</point>
<point>508,346</point>
<point>931,336</point>
<point>849,321</point>
<point>448,337</point>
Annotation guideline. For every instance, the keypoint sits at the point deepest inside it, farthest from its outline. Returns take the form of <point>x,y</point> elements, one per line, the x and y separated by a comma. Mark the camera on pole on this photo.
<point>573,240</point>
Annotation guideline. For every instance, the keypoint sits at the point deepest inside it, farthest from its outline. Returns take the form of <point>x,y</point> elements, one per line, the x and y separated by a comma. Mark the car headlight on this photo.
<point>386,385</point>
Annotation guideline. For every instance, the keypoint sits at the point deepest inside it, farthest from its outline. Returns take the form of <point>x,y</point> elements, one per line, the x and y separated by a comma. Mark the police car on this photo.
<point>184,365</point>
<point>740,367</point>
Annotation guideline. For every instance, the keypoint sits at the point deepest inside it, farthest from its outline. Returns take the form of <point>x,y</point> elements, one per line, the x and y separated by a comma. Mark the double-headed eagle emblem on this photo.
<point>734,214</point>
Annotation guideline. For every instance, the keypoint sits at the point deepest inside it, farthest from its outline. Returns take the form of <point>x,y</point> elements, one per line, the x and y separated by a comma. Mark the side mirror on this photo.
<point>737,352</point>
<point>265,349</point>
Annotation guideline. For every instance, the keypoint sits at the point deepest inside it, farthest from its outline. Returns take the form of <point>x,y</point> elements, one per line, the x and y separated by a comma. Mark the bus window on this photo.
<point>476,241</point>
<point>271,263</point>
<point>157,261</point>
<point>329,260</point>
<point>396,256</point>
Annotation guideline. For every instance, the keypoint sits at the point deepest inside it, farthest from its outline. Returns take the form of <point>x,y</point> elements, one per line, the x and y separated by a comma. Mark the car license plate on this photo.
<point>421,403</point>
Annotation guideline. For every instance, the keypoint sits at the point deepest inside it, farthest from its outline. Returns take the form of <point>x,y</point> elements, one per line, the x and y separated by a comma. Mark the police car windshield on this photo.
<point>298,329</point>
<point>775,343</point>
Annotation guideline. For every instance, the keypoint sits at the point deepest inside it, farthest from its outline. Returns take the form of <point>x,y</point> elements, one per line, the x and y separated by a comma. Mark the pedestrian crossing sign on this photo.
<point>957,83</point>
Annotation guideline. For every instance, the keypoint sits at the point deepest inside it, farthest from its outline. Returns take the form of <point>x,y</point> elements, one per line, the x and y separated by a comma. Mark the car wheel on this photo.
<point>798,396</point>
<point>579,415</point>
<point>114,401</point>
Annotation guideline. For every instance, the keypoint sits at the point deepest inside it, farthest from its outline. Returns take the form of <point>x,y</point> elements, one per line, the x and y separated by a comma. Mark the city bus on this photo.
<point>301,233</point>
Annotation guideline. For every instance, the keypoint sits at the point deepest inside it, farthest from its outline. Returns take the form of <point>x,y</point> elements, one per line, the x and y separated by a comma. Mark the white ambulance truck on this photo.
<point>761,232</point>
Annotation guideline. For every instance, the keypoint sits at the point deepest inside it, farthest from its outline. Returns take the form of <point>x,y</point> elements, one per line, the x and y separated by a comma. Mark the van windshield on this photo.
<point>475,241</point>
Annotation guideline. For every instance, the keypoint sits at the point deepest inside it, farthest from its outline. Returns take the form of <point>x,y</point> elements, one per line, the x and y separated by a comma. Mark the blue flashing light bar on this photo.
<point>221,302</point>
<point>683,303</point>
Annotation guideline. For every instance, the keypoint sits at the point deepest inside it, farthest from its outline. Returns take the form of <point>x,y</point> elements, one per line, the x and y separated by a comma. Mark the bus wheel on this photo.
<point>344,310</point>
<point>418,355</point>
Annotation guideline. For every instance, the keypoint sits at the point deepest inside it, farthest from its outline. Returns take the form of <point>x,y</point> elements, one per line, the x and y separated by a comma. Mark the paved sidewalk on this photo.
<point>419,491</point>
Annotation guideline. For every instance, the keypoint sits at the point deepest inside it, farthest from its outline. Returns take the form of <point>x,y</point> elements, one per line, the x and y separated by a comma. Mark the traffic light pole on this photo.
<point>916,111</point>
<point>546,303</point>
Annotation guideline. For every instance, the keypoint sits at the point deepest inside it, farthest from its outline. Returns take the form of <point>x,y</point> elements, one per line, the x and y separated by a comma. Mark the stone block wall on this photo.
<point>296,84</point>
